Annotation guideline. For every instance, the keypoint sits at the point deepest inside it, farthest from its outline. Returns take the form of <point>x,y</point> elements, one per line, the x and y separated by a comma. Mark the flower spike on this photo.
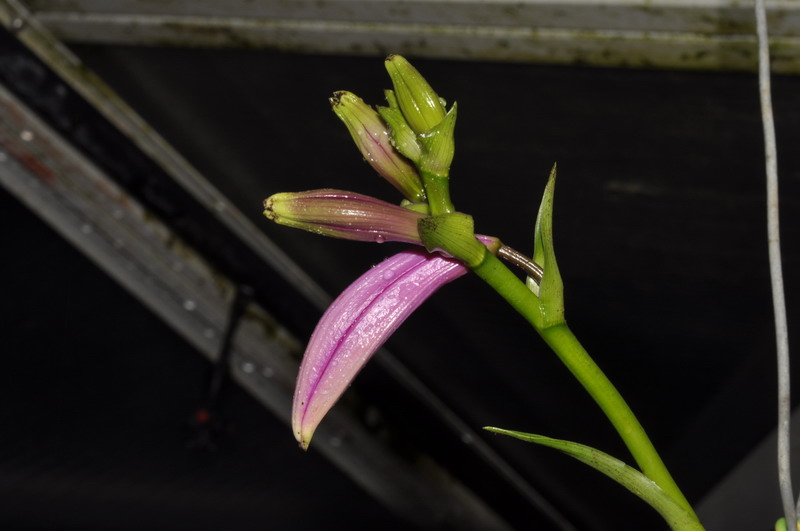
<point>371,135</point>
<point>357,324</point>
<point>344,215</point>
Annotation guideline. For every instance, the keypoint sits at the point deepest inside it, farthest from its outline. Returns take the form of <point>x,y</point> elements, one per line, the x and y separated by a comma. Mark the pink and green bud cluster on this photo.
<point>410,143</point>
<point>371,135</point>
<point>346,215</point>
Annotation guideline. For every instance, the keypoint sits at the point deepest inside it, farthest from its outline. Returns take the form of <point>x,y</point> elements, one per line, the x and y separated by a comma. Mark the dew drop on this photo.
<point>389,275</point>
<point>379,238</point>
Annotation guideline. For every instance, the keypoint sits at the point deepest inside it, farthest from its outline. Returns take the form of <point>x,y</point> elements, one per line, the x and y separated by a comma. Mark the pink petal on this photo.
<point>357,324</point>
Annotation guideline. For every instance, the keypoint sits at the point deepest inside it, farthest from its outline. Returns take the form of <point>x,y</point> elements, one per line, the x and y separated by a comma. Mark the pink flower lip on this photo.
<point>357,324</point>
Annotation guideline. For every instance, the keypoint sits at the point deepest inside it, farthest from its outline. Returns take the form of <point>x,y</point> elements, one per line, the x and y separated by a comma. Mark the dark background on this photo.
<point>660,237</point>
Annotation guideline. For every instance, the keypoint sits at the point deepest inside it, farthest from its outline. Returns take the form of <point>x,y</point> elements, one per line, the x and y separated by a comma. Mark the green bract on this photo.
<point>452,233</point>
<point>551,289</point>
<point>439,146</point>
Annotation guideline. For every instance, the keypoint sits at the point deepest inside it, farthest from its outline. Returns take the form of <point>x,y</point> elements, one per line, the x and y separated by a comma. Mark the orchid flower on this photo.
<point>363,317</point>
<point>410,144</point>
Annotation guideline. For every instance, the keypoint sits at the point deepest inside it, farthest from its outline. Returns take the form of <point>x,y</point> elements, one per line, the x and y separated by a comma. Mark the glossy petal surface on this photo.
<point>346,215</point>
<point>371,135</point>
<point>357,324</point>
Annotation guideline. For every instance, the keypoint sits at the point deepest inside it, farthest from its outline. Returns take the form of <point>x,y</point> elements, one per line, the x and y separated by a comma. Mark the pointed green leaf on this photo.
<point>551,289</point>
<point>630,478</point>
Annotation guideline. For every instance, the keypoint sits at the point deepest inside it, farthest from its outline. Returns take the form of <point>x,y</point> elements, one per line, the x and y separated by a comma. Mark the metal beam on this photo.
<point>699,34</point>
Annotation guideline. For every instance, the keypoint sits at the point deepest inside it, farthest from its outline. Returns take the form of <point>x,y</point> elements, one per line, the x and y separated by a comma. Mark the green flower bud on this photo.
<point>420,105</point>
<point>401,135</point>
<point>391,99</point>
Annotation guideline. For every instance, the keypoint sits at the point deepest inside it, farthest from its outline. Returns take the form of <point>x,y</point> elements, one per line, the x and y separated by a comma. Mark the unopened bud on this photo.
<point>403,138</point>
<point>419,103</point>
<point>371,135</point>
<point>344,215</point>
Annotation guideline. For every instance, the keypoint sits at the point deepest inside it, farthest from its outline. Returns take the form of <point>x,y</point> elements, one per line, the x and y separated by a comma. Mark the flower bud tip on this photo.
<point>421,106</point>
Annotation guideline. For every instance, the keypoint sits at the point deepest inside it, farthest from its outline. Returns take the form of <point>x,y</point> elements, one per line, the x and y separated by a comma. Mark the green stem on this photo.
<point>437,189</point>
<point>561,339</point>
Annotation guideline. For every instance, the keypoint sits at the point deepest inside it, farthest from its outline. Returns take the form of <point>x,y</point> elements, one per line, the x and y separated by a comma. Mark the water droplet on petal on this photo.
<point>379,238</point>
<point>389,275</point>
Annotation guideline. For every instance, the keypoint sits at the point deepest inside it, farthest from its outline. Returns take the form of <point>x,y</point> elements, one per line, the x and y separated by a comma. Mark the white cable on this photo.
<point>775,269</point>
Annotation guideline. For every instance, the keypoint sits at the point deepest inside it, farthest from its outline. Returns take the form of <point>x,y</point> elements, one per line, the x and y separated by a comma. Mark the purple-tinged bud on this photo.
<point>344,215</point>
<point>355,326</point>
<point>421,106</point>
<point>371,135</point>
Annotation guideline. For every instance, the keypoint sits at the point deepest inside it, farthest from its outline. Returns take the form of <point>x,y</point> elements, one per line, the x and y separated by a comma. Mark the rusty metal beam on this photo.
<point>700,34</point>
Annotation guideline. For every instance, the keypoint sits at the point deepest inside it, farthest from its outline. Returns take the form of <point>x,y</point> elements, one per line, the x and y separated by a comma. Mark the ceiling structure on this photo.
<point>145,136</point>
